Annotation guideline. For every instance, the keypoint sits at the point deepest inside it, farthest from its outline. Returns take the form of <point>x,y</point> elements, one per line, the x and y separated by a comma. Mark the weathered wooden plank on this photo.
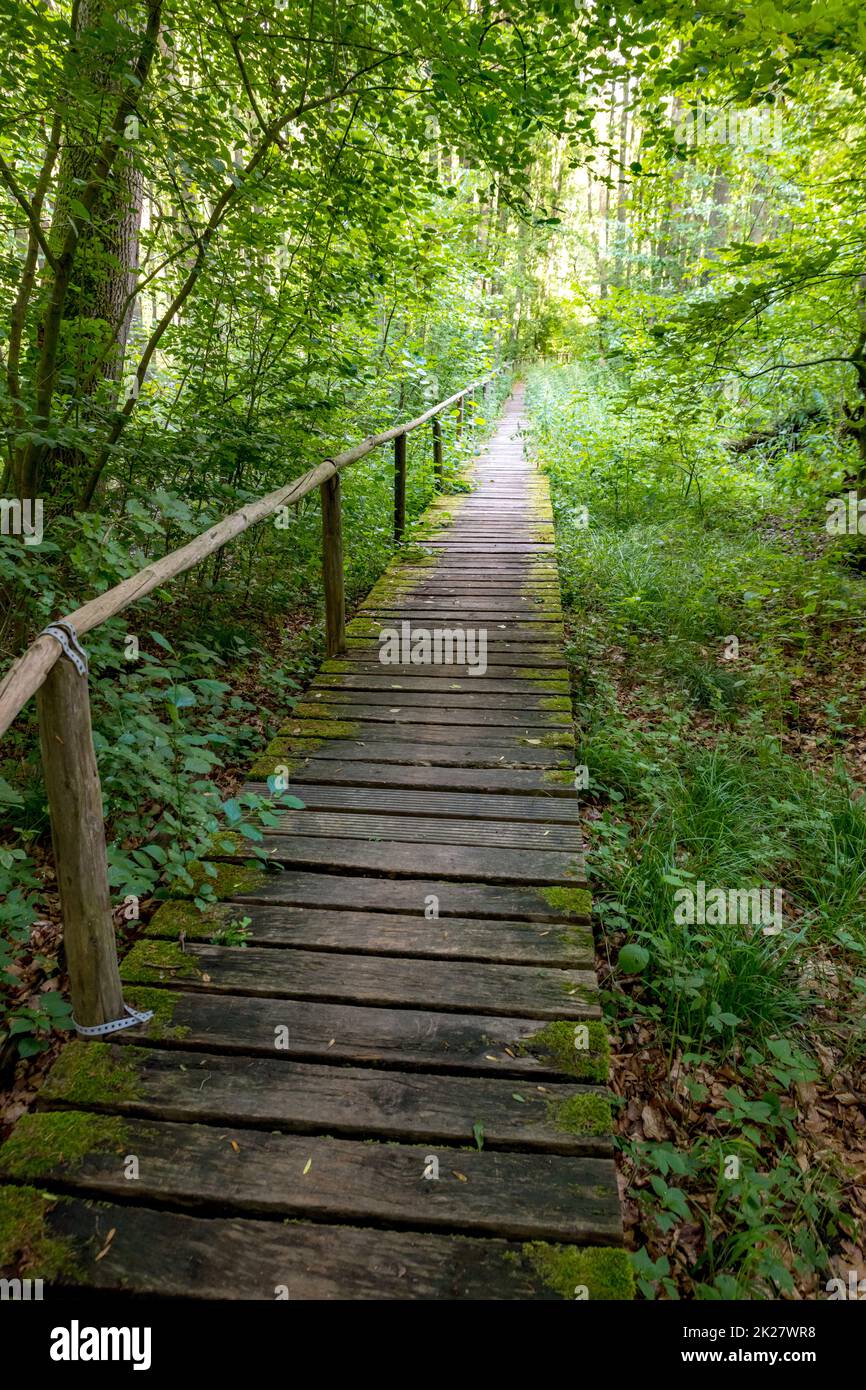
<point>385,934</point>
<point>306,1098</point>
<point>164,1254</point>
<point>436,709</point>
<point>406,1039</point>
<point>383,691</point>
<point>358,772</point>
<point>357,675</point>
<point>301,727</point>
<point>285,753</point>
<point>453,899</point>
<point>499,653</point>
<point>538,992</point>
<point>548,622</point>
<point>543,809</point>
<point>243,1171</point>
<point>424,830</point>
<point>396,859</point>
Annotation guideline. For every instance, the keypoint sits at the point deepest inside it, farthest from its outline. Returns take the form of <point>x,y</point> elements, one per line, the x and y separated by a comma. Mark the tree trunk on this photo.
<point>100,301</point>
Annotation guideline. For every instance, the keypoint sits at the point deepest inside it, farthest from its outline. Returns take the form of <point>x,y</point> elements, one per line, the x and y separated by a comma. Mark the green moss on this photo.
<point>314,712</point>
<point>314,728</point>
<point>557,778</point>
<point>561,702</point>
<point>604,1272</point>
<point>556,1041</point>
<point>572,902</point>
<point>549,741</point>
<point>266,766</point>
<point>228,842</point>
<point>162,1004</point>
<point>394,585</point>
<point>412,554</point>
<point>42,1142</point>
<point>228,880</point>
<point>26,1241</point>
<point>542,673</point>
<point>196,923</point>
<point>337,668</point>
<point>589,1113</point>
<point>158,960</point>
<point>93,1074</point>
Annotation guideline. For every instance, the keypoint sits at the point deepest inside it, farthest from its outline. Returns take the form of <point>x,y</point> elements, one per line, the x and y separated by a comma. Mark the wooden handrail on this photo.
<point>28,672</point>
<point>66,739</point>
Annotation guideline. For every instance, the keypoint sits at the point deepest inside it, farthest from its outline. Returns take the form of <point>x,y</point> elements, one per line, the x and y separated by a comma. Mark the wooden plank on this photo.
<point>420,777</point>
<point>305,1098</point>
<point>164,1254</point>
<point>499,653</point>
<point>394,858</point>
<point>312,1029</point>
<point>504,604</point>
<point>454,899</point>
<point>544,810</point>
<point>341,978</point>
<point>371,675</point>
<point>428,753</point>
<point>436,710</point>
<point>233,1170</point>
<point>446,615</point>
<point>388,934</point>
<point>384,693</point>
<point>424,830</point>
<point>370,730</point>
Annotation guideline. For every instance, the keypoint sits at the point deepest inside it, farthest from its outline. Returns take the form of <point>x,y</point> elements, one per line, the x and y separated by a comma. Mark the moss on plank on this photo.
<point>549,741</point>
<point>572,902</point>
<point>42,1142</point>
<point>555,674</point>
<point>557,778</point>
<point>314,711</point>
<point>597,1272</point>
<point>162,1004</point>
<point>391,586</point>
<point>228,880</point>
<point>199,924</point>
<point>158,960</point>
<point>561,1043</point>
<point>314,728</point>
<point>94,1074</point>
<point>26,1240</point>
<point>267,765</point>
<point>553,702</point>
<point>582,1115</point>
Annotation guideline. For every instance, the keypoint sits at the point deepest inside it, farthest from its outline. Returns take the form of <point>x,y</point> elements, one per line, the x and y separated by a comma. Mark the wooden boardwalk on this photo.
<point>395,1088</point>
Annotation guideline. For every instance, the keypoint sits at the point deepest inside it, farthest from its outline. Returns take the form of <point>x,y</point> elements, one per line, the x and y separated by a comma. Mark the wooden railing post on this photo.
<point>437,450</point>
<point>460,418</point>
<point>332,567</point>
<point>78,835</point>
<point>399,485</point>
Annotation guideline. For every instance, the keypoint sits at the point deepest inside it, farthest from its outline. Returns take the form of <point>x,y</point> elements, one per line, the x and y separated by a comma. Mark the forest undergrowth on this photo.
<point>717,660</point>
